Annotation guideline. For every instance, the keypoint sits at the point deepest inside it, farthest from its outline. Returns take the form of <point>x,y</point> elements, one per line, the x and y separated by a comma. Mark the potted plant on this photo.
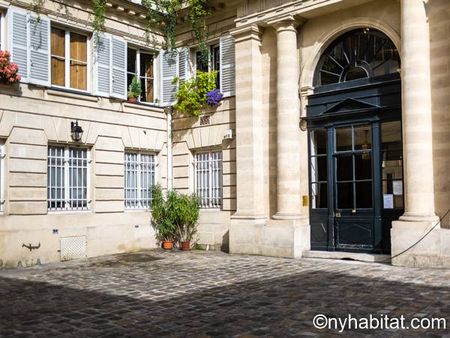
<point>188,207</point>
<point>134,90</point>
<point>174,218</point>
<point>9,72</point>
<point>163,217</point>
<point>192,95</point>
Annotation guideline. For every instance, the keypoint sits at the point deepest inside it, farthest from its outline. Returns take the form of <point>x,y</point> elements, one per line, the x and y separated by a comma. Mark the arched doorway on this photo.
<point>355,148</point>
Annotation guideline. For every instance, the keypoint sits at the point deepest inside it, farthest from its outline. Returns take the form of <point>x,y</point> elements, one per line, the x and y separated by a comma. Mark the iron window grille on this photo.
<point>67,179</point>
<point>2,176</point>
<point>208,179</point>
<point>139,177</point>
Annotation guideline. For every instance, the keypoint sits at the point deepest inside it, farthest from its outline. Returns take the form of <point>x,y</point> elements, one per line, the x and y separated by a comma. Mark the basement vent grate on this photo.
<point>73,248</point>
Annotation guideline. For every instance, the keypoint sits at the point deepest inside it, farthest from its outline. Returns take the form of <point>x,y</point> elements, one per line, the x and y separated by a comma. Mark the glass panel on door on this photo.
<point>353,161</point>
<point>392,164</point>
<point>319,167</point>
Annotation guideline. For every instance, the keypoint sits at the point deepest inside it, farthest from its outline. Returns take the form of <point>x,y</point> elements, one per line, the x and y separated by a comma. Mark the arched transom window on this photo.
<point>360,53</point>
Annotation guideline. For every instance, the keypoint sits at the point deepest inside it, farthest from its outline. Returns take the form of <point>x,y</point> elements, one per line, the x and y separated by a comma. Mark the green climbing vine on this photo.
<point>165,14</point>
<point>198,13</point>
<point>36,7</point>
<point>99,7</point>
<point>192,95</point>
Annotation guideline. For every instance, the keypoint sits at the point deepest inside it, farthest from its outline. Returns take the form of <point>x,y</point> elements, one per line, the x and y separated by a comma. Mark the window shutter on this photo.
<point>183,64</point>
<point>168,72</point>
<point>119,68</point>
<point>39,30</point>
<point>19,41</point>
<point>102,63</point>
<point>227,65</point>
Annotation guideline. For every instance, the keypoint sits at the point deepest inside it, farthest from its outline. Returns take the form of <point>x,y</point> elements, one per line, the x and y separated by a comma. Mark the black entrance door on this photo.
<point>356,163</point>
<point>356,189</point>
<point>352,177</point>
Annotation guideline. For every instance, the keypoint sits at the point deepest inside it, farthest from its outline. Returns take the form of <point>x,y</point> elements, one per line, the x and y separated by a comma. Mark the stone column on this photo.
<point>249,128</point>
<point>417,123</point>
<point>419,216</point>
<point>288,118</point>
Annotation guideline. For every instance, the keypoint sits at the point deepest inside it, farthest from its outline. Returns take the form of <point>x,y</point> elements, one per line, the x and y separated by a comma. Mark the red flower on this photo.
<point>8,70</point>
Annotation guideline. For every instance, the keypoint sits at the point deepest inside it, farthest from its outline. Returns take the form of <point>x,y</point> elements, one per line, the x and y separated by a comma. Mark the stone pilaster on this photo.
<point>249,128</point>
<point>419,216</point>
<point>417,123</point>
<point>288,119</point>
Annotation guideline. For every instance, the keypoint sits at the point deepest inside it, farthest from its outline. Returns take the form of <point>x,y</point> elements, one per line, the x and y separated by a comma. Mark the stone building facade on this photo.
<point>332,136</point>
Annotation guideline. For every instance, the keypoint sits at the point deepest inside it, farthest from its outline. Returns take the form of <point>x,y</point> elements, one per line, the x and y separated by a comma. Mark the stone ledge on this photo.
<point>371,258</point>
<point>432,251</point>
<point>277,240</point>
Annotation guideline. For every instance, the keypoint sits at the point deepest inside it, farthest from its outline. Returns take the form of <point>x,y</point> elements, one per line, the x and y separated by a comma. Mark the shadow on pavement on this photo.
<point>275,307</point>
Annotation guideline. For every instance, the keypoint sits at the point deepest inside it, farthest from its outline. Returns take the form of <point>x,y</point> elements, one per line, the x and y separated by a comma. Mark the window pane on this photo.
<point>363,166</point>
<point>58,56</point>
<point>139,170</point>
<point>77,164</point>
<point>202,65</point>
<point>364,195</point>
<point>78,61</point>
<point>131,60</point>
<point>208,179</point>
<point>146,74</point>
<point>345,195</point>
<point>363,137</point>
<point>343,139</point>
<point>318,142</point>
<point>392,164</point>
<point>55,178</point>
<point>319,168</point>
<point>216,63</point>
<point>319,195</point>
<point>131,183</point>
<point>344,168</point>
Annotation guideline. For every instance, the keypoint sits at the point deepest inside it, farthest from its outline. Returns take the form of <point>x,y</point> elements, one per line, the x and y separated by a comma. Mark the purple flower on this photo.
<point>214,97</point>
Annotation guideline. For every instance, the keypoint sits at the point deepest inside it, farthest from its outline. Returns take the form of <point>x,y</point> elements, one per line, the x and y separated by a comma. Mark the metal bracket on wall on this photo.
<point>31,247</point>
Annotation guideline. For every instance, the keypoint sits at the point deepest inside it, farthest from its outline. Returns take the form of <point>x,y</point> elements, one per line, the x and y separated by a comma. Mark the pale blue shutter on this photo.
<point>227,65</point>
<point>18,33</point>
<point>39,30</point>
<point>119,68</point>
<point>102,65</point>
<point>183,64</point>
<point>168,72</point>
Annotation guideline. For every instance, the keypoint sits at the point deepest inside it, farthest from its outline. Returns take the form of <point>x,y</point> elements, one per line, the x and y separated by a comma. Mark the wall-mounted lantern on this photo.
<point>76,132</point>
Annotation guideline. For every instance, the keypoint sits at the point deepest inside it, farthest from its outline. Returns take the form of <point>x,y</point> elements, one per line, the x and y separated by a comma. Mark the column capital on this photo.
<point>251,32</point>
<point>287,22</point>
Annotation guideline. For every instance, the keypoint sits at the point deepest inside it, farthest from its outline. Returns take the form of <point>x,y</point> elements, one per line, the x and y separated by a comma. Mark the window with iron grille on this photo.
<point>208,179</point>
<point>67,179</point>
<point>139,179</point>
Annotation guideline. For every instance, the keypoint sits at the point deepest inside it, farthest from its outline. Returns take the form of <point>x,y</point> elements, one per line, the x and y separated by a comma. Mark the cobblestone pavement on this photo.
<point>156,293</point>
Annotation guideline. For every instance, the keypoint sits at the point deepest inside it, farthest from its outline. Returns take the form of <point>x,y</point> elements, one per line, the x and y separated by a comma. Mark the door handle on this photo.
<point>353,211</point>
<point>337,213</point>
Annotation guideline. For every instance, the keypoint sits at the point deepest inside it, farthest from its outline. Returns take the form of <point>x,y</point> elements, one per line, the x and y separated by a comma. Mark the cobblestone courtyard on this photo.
<point>155,293</point>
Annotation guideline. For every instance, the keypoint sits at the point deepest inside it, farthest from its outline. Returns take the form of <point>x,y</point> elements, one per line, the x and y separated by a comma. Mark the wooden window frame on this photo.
<point>138,71</point>
<point>67,59</point>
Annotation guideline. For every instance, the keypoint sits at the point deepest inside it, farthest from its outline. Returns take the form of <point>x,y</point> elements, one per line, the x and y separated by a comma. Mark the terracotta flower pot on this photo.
<point>167,245</point>
<point>185,246</point>
<point>132,99</point>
